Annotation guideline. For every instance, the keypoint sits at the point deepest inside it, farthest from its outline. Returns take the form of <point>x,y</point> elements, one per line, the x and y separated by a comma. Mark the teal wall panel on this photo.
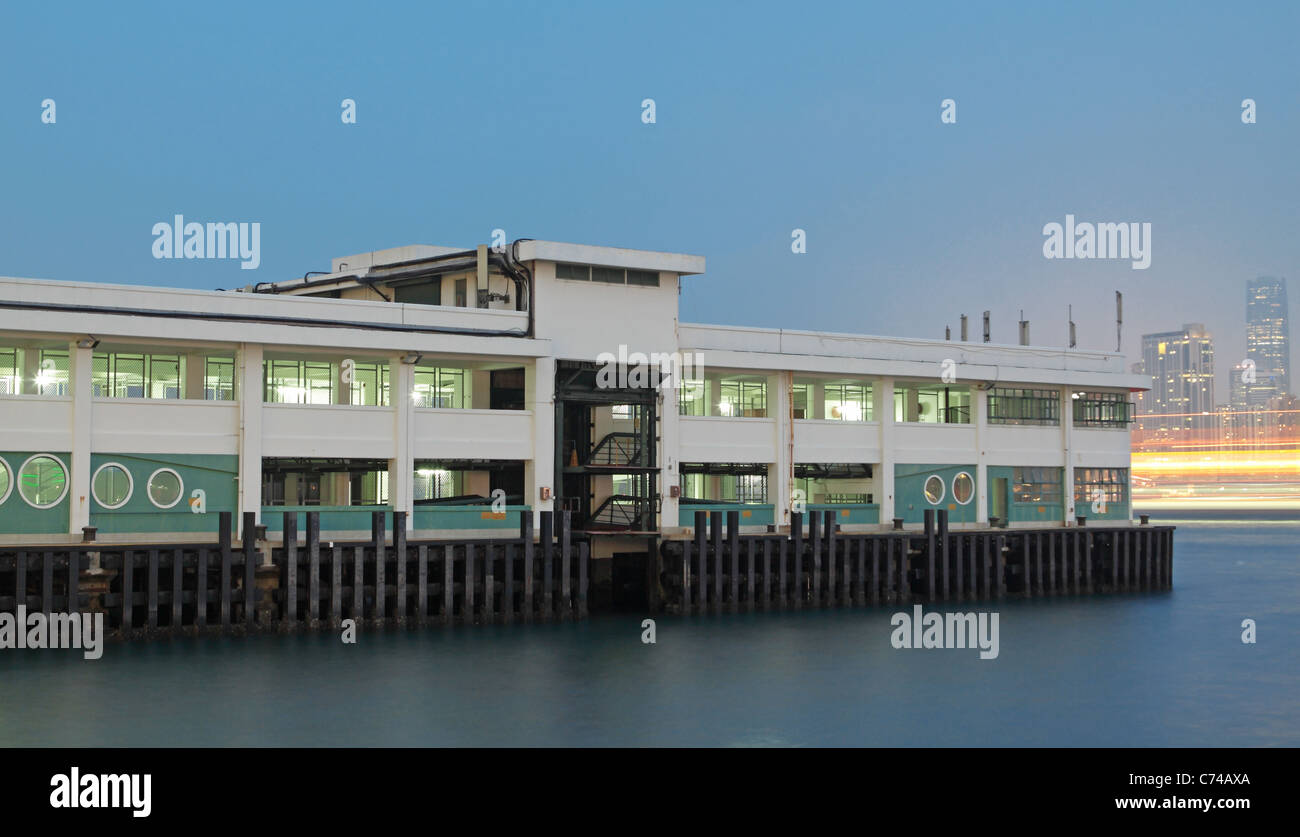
<point>17,517</point>
<point>214,474</point>
<point>910,502</point>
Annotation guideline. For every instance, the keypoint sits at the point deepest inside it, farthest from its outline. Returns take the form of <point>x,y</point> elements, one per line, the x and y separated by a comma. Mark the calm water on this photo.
<point>1164,669</point>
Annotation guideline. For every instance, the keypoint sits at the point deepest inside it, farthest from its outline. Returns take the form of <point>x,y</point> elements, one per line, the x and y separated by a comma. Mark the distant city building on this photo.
<point>1268,339</point>
<point>1181,367</point>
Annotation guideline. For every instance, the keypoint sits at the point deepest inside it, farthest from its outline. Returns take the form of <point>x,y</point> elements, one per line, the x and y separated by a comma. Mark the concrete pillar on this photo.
<point>780,480</point>
<point>669,444</point>
<point>884,408</point>
<point>248,389</point>
<point>979,406</point>
<point>195,369</point>
<point>401,468</point>
<point>539,472</point>
<point>79,366</point>
<point>1067,456</point>
<point>480,389</point>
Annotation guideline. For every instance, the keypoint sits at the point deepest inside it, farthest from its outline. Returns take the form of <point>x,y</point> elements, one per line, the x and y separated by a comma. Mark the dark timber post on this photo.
<point>128,589</point>
<point>359,584</point>
<point>944,554</point>
<point>715,537</point>
<point>832,555</point>
<point>377,540</point>
<point>796,545</point>
<point>250,566</point>
<point>336,586</point>
<point>290,532</point>
<point>548,550</point>
<point>449,579</point>
<point>225,538</point>
<point>178,575</point>
<point>1000,563</point>
<point>399,555</point>
<point>815,539</point>
<point>767,573</point>
<point>526,538</point>
<point>733,553</point>
<point>566,525</point>
<point>749,574</point>
<point>929,553</point>
<point>422,591</point>
<point>467,606</point>
<point>701,556</point>
<point>151,600</point>
<point>313,569</point>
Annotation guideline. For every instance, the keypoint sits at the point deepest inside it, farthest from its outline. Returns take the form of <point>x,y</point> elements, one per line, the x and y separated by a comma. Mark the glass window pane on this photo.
<point>42,481</point>
<point>112,486</point>
<point>164,489</point>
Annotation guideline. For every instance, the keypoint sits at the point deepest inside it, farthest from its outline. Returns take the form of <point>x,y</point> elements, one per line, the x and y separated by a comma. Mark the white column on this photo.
<point>885,411</point>
<point>401,468</point>
<point>79,366</point>
<point>669,429</point>
<point>979,404</point>
<point>539,472</point>
<point>1067,456</point>
<point>780,479</point>
<point>249,393</point>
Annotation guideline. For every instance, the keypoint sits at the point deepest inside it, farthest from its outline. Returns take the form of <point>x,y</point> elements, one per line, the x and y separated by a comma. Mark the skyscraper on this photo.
<point>1268,338</point>
<point>1181,366</point>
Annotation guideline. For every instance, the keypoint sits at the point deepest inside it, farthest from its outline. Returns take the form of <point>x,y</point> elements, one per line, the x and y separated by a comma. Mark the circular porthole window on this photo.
<point>6,481</point>
<point>963,488</point>
<point>165,488</point>
<point>934,489</point>
<point>112,485</point>
<point>43,481</point>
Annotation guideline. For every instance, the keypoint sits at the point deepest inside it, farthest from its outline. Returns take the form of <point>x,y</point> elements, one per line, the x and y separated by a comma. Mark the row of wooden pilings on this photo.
<point>306,583</point>
<point>723,570</point>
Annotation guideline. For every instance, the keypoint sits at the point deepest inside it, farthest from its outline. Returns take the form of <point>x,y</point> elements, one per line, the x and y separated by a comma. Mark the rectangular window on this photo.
<point>443,388</point>
<point>11,371</point>
<point>751,488</point>
<point>1008,405</point>
<point>578,272</point>
<point>299,381</point>
<point>609,275</point>
<point>1110,485</point>
<point>847,402</point>
<point>436,483</point>
<point>462,293</point>
<point>428,292</point>
<point>1102,409</point>
<point>693,400</point>
<point>931,404</point>
<point>219,379</point>
<point>741,398</point>
<point>369,385</point>
<point>1037,485</point>
<point>646,278</point>
<point>135,375</point>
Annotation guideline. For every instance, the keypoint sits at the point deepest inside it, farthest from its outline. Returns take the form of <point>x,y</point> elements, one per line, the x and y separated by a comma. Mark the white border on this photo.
<point>130,485</point>
<point>179,494</point>
<point>927,496</point>
<point>967,475</point>
<point>66,479</point>
<point>9,486</point>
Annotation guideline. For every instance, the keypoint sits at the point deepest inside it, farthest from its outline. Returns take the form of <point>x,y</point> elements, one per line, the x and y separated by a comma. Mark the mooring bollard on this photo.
<point>88,532</point>
<point>1083,521</point>
<point>898,523</point>
<point>1144,519</point>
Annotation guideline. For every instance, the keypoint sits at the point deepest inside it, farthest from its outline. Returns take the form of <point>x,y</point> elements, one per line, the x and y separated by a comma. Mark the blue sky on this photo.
<point>770,117</point>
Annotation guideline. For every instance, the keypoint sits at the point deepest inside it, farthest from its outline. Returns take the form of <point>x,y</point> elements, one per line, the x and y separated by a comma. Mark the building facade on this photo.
<point>1179,366</point>
<point>469,387</point>
<point>1268,338</point>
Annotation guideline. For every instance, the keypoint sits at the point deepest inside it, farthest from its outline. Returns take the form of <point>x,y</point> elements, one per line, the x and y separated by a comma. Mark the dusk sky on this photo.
<point>769,117</point>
